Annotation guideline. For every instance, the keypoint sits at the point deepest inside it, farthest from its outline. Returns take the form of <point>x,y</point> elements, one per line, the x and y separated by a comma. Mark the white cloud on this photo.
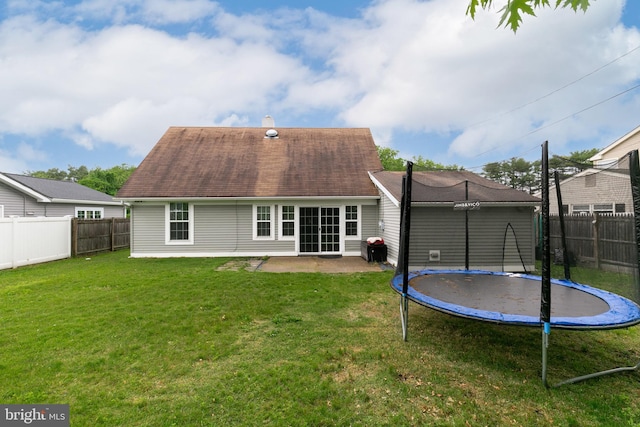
<point>149,11</point>
<point>405,65</point>
<point>173,11</point>
<point>426,66</point>
<point>17,161</point>
<point>127,84</point>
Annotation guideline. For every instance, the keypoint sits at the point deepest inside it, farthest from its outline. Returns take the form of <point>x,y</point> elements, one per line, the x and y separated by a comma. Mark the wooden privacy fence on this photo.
<point>603,241</point>
<point>97,235</point>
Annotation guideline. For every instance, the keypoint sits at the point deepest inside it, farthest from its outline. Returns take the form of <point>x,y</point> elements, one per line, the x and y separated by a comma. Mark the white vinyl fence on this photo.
<point>25,241</point>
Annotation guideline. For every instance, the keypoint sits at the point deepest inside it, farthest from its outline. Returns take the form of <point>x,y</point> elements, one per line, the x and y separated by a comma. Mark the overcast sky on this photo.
<point>98,82</point>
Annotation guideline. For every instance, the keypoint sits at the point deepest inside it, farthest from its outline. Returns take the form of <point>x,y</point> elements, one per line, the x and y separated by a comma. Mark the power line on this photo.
<point>566,117</point>
<point>556,90</point>
<point>582,111</point>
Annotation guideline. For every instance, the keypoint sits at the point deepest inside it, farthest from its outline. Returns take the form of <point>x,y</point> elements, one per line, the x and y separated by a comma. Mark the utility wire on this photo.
<point>556,90</point>
<point>582,111</point>
<point>561,120</point>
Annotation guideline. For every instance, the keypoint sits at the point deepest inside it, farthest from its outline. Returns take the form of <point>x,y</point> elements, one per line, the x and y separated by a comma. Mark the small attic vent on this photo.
<point>271,133</point>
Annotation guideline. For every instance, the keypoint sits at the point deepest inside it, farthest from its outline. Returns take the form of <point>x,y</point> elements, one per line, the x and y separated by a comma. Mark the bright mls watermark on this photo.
<point>34,415</point>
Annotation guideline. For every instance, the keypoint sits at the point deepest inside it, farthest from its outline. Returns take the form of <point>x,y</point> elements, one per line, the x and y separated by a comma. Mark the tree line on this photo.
<point>516,172</point>
<point>107,181</point>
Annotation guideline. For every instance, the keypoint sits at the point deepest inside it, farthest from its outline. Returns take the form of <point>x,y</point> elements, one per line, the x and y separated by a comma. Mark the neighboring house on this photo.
<point>605,188</point>
<point>612,153</point>
<point>231,191</point>
<point>27,196</point>
<point>603,191</point>
<point>500,225</point>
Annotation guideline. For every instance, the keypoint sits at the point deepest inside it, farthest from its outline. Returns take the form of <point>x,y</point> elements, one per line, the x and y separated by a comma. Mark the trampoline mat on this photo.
<point>507,294</point>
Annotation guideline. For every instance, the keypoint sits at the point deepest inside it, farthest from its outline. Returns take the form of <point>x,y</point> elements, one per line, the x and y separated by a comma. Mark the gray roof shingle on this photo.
<point>60,190</point>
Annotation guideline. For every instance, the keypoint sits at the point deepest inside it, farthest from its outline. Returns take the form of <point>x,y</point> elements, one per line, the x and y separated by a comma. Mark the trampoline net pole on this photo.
<point>466,227</point>
<point>634,173</point>
<point>404,315</point>
<point>403,256</point>
<point>545,297</point>
<point>563,234</point>
<point>545,345</point>
<point>406,226</point>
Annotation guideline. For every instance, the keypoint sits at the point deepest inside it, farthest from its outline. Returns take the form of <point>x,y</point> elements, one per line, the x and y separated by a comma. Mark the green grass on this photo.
<point>172,342</point>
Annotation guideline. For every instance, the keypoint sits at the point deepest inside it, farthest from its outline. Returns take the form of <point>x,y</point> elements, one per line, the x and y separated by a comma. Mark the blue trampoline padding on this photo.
<point>616,312</point>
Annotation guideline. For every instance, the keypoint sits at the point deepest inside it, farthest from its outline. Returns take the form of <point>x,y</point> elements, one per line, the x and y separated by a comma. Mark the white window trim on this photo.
<point>1,211</point>
<point>344,223</point>
<point>167,228</point>
<point>92,209</point>
<point>295,223</point>
<point>272,221</point>
<point>603,208</point>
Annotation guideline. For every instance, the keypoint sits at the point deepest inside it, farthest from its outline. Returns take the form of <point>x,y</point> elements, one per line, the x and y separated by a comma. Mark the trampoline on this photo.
<point>508,298</point>
<point>517,299</point>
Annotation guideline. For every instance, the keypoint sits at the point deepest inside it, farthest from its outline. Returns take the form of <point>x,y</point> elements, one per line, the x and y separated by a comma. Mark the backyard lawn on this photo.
<point>173,342</point>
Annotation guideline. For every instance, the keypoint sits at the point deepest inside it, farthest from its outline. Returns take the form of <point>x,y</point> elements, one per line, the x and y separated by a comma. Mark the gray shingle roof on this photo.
<point>60,190</point>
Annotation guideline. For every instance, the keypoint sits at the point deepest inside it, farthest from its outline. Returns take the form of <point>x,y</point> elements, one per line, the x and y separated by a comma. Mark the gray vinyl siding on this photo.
<point>147,229</point>
<point>17,203</point>
<point>56,209</point>
<point>217,229</point>
<point>228,229</point>
<point>443,229</point>
<point>369,227</point>
<point>114,212</point>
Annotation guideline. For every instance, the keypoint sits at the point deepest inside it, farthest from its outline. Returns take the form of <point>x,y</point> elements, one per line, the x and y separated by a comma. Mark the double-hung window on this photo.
<point>263,222</point>
<point>179,223</point>
<point>352,222</point>
<point>287,222</point>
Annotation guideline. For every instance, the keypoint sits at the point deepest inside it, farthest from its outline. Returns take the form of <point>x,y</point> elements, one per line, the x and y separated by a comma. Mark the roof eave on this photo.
<point>41,198</point>
<point>600,154</point>
<point>86,202</point>
<point>229,199</point>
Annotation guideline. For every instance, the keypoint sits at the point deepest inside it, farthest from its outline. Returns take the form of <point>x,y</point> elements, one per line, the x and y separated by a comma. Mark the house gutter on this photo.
<point>235,199</point>
<point>86,202</point>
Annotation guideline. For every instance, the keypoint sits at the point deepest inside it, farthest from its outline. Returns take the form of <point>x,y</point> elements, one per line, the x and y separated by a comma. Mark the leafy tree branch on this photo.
<point>513,10</point>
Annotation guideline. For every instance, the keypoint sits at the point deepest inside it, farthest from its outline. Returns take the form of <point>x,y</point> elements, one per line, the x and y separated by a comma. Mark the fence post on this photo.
<point>14,242</point>
<point>596,241</point>
<point>113,234</point>
<point>74,236</point>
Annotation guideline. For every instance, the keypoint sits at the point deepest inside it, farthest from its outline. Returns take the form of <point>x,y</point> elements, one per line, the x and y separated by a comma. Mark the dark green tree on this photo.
<point>422,164</point>
<point>516,173</point>
<point>108,181</point>
<point>391,162</point>
<point>494,171</point>
<point>53,173</point>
